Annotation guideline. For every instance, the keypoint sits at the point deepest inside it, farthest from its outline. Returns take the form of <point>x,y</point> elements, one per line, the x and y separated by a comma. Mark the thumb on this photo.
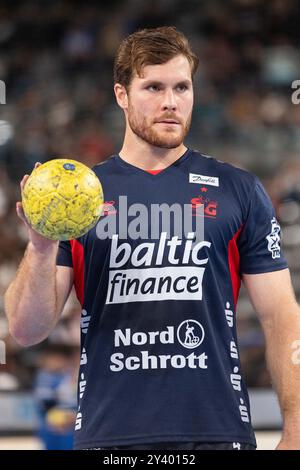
<point>20,213</point>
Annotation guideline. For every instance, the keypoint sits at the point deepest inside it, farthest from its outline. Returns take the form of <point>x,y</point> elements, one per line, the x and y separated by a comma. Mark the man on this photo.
<point>145,381</point>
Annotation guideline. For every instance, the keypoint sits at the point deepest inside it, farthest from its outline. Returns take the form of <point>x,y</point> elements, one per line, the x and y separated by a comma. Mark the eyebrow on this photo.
<point>159,83</point>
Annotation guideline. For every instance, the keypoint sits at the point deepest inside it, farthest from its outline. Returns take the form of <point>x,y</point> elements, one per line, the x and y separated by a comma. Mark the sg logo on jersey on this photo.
<point>210,207</point>
<point>109,208</point>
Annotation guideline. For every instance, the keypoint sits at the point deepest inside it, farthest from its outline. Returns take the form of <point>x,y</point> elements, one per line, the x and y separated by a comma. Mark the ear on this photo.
<point>121,95</point>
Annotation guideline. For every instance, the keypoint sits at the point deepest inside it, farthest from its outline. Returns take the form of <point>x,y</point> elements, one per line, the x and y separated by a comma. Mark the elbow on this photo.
<point>16,329</point>
<point>22,337</point>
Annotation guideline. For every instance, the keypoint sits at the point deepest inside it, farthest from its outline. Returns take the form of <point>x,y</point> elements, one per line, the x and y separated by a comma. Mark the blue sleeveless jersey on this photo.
<point>159,351</point>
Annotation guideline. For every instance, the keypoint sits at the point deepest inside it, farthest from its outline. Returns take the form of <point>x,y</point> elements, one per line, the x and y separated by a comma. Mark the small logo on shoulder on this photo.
<point>274,239</point>
<point>204,179</point>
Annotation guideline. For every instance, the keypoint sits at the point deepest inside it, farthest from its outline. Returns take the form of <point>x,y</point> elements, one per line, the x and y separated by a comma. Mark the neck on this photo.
<point>148,157</point>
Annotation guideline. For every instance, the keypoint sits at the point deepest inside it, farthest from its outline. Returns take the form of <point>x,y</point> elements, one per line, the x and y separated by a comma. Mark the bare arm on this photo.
<point>36,297</point>
<point>273,299</point>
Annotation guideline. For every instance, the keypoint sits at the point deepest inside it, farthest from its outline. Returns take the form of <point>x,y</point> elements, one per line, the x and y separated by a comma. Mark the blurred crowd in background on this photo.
<point>56,59</point>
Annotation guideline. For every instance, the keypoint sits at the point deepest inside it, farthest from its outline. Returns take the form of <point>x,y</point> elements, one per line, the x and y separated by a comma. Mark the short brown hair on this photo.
<point>150,47</point>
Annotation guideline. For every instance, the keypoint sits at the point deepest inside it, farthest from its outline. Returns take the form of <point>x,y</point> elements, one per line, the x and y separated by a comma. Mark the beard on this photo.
<point>146,131</point>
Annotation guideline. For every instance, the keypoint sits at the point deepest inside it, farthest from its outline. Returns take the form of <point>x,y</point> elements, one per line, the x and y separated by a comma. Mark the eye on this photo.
<point>182,88</point>
<point>153,88</point>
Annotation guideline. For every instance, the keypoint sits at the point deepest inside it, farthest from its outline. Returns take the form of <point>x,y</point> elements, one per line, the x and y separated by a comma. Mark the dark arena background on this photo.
<point>56,60</point>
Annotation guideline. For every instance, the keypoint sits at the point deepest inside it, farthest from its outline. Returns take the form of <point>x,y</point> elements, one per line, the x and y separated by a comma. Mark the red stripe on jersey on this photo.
<point>154,172</point>
<point>78,266</point>
<point>234,265</point>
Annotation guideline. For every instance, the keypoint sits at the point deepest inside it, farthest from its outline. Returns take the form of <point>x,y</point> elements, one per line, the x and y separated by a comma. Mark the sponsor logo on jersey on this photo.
<point>274,239</point>
<point>204,179</point>
<point>189,334</point>
<point>136,272</point>
<point>210,206</point>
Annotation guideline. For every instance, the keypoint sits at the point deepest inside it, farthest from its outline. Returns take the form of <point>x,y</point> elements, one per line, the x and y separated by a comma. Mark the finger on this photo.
<point>25,177</point>
<point>23,182</point>
<point>20,213</point>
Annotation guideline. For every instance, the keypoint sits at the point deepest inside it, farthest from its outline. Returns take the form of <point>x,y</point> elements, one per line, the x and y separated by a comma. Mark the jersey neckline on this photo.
<point>135,169</point>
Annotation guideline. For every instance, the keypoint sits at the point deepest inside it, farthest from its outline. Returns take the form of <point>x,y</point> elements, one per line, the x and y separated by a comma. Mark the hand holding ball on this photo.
<point>62,199</point>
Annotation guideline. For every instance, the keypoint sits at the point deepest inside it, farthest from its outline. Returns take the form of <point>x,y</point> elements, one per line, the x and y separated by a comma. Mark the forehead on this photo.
<point>175,70</point>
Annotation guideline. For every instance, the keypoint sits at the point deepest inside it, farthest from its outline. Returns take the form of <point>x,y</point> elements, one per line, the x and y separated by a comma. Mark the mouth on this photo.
<point>170,122</point>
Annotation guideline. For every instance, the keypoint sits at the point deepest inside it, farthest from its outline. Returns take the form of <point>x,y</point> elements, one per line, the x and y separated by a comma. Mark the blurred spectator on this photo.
<point>55,393</point>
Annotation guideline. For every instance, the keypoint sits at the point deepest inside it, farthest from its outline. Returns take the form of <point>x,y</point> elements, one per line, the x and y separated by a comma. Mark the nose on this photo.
<point>169,100</point>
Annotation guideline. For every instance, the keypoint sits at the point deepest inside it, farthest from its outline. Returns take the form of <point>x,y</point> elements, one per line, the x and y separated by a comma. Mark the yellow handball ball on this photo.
<point>62,199</point>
